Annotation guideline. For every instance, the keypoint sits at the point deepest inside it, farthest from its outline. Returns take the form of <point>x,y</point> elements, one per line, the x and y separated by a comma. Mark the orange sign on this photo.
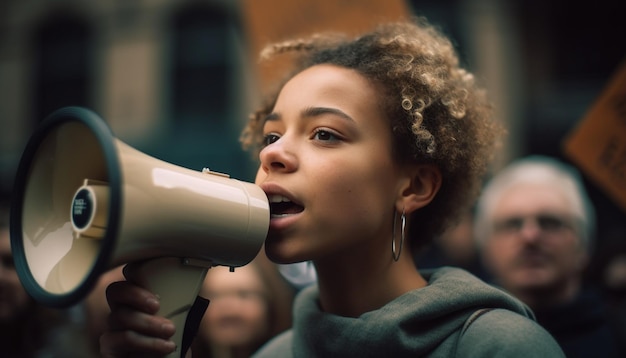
<point>275,20</point>
<point>598,144</point>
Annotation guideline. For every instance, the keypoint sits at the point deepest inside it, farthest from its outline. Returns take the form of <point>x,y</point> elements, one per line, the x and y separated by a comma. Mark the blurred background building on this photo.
<point>176,79</point>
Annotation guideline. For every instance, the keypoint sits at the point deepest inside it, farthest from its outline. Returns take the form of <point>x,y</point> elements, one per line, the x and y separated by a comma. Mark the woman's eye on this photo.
<point>325,135</point>
<point>270,138</point>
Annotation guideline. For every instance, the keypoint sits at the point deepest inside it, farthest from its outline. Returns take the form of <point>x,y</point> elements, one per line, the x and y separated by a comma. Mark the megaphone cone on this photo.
<point>85,202</point>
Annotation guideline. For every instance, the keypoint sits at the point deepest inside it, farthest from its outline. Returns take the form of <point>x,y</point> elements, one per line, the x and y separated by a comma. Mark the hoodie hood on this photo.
<point>413,324</point>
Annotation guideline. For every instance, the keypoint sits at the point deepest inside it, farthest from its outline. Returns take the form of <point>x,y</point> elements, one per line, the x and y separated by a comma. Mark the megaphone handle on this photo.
<point>177,284</point>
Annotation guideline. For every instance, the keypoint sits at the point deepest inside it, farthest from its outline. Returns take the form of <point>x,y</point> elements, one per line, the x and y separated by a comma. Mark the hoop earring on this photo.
<point>395,256</point>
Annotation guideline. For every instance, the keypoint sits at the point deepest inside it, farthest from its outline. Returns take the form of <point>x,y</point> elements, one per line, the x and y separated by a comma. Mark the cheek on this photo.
<point>569,251</point>
<point>359,181</point>
<point>261,316</point>
<point>354,198</point>
<point>499,252</point>
<point>260,175</point>
<point>254,311</point>
<point>357,212</point>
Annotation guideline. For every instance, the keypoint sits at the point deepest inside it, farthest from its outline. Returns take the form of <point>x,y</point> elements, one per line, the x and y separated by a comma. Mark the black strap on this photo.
<point>192,323</point>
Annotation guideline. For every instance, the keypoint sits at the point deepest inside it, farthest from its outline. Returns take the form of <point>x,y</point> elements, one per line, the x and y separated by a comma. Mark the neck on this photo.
<point>357,284</point>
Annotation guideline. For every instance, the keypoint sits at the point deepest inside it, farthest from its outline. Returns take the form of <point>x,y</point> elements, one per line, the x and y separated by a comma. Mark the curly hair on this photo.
<point>438,115</point>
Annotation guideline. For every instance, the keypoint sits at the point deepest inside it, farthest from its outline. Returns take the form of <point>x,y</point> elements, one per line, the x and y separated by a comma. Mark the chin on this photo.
<point>277,255</point>
<point>534,279</point>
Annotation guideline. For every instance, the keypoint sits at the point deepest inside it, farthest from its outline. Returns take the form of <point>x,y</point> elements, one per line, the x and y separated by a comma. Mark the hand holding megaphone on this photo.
<point>85,202</point>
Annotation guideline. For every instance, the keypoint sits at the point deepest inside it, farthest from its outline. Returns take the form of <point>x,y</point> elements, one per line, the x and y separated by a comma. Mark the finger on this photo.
<point>125,318</point>
<point>128,343</point>
<point>124,293</point>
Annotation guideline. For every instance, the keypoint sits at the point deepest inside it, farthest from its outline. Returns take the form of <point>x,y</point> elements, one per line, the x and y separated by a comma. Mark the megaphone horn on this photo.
<point>85,202</point>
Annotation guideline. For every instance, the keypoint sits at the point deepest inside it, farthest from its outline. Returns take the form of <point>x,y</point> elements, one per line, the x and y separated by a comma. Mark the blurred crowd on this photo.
<point>247,307</point>
<point>531,233</point>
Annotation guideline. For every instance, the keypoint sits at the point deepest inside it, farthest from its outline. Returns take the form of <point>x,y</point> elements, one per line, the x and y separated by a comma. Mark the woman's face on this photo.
<point>238,314</point>
<point>327,168</point>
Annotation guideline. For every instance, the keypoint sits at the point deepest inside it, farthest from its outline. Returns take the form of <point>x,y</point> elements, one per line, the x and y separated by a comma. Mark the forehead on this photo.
<point>330,86</point>
<point>220,278</point>
<point>527,199</point>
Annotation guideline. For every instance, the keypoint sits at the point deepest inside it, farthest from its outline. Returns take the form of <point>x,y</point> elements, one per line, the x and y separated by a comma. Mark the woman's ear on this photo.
<point>419,187</point>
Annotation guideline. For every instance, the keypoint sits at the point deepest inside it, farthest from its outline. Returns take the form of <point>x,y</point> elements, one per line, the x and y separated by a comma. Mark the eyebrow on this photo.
<point>311,112</point>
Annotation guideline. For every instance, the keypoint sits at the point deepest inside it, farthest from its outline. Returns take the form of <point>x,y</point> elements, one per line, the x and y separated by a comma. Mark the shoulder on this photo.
<point>503,333</point>
<point>279,346</point>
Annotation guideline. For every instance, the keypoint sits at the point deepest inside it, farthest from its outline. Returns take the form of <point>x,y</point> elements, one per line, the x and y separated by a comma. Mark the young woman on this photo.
<point>248,307</point>
<point>370,148</point>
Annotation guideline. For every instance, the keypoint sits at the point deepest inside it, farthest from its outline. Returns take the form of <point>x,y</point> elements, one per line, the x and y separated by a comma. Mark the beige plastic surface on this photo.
<point>166,211</point>
<point>177,286</point>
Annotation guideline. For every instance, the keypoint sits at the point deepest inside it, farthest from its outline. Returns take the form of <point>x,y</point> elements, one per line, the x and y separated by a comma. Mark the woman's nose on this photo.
<point>279,157</point>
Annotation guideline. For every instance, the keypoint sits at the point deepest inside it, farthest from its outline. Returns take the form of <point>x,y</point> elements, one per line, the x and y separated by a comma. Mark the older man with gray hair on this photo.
<point>534,227</point>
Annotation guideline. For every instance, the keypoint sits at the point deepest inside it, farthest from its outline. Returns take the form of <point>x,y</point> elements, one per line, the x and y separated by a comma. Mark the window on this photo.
<point>62,65</point>
<point>201,68</point>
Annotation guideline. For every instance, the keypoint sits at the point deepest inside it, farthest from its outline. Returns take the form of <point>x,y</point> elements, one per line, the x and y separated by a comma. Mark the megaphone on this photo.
<point>85,202</point>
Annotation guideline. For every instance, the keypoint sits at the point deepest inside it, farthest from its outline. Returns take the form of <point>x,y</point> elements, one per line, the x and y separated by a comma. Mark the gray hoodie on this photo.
<point>433,321</point>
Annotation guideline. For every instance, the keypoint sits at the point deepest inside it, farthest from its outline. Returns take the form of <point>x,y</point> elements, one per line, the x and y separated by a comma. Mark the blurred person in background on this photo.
<point>455,247</point>
<point>609,270</point>
<point>94,310</point>
<point>28,329</point>
<point>246,308</point>
<point>535,227</point>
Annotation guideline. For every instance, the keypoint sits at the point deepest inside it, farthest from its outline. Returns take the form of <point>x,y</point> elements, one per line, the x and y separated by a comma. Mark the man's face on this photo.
<point>534,244</point>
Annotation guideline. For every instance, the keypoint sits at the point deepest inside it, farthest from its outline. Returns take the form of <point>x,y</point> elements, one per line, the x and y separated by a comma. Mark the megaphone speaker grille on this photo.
<point>57,266</point>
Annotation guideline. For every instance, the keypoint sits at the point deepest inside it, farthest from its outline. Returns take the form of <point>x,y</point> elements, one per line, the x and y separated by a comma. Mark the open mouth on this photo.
<point>281,206</point>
